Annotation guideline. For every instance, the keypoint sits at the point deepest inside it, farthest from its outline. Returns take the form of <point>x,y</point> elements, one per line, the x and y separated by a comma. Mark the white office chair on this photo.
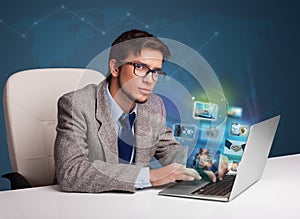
<point>30,110</point>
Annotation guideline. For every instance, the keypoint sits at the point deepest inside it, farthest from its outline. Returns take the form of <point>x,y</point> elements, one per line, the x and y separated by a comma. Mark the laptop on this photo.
<point>249,171</point>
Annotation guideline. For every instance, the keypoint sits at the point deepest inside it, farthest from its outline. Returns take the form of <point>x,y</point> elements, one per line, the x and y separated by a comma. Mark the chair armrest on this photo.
<point>17,181</point>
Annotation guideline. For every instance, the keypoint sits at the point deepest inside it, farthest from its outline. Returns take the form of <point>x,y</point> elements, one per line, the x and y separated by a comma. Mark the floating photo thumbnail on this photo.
<point>203,159</point>
<point>209,132</point>
<point>234,147</point>
<point>238,129</point>
<point>234,111</point>
<point>206,111</point>
<point>186,132</point>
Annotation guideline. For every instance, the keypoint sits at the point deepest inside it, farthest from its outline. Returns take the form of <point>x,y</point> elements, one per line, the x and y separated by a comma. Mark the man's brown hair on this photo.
<point>133,41</point>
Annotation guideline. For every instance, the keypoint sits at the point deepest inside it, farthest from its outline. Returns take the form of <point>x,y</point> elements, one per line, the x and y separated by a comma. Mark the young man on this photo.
<point>91,152</point>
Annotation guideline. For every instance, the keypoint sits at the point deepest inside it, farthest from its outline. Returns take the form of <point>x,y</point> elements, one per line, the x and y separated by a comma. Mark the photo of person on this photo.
<point>202,160</point>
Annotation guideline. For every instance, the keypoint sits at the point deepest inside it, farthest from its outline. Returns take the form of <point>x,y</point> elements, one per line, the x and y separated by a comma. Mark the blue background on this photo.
<point>252,45</point>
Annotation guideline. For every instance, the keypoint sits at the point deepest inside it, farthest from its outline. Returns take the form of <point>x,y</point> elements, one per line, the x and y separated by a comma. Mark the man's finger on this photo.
<point>211,175</point>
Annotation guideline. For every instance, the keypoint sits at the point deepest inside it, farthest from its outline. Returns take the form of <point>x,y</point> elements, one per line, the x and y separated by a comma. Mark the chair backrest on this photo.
<point>30,110</point>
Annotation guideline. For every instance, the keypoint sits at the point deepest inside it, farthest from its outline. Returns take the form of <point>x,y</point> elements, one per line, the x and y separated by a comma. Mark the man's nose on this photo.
<point>149,78</point>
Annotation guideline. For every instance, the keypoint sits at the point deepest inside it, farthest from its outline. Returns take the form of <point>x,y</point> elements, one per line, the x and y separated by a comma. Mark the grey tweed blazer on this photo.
<point>86,150</point>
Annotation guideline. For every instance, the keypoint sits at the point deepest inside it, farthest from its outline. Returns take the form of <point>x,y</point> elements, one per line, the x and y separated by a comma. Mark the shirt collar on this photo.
<point>116,110</point>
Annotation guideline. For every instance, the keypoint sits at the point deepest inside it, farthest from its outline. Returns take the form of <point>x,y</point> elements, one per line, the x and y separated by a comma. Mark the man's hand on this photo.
<point>171,173</point>
<point>211,175</point>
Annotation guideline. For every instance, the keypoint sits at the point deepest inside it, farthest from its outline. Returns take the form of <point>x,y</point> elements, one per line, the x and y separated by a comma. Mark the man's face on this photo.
<point>134,87</point>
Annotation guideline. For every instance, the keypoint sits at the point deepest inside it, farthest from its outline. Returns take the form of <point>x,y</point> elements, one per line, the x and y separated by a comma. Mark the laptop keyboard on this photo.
<point>219,188</point>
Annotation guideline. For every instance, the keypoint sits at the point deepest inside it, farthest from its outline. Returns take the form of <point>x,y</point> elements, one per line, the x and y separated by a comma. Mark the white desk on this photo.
<point>265,199</point>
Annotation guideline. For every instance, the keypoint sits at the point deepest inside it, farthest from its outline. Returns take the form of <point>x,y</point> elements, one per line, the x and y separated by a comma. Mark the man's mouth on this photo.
<point>145,91</point>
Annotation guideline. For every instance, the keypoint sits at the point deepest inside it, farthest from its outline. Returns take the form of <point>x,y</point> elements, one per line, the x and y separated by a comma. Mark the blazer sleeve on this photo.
<point>74,171</point>
<point>168,150</point>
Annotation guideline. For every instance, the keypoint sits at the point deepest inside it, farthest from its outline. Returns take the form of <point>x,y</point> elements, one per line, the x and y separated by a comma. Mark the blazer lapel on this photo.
<point>107,131</point>
<point>143,135</point>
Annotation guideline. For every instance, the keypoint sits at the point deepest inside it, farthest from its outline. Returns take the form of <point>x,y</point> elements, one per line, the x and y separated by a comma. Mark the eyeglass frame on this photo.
<point>158,72</point>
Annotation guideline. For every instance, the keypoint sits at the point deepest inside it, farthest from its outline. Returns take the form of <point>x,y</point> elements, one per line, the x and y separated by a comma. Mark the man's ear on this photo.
<point>114,68</point>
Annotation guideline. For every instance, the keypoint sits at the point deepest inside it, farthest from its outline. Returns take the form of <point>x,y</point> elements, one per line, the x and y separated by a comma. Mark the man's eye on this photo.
<point>139,66</point>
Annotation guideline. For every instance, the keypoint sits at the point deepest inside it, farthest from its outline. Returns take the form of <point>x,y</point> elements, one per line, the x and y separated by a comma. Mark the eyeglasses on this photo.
<point>142,70</point>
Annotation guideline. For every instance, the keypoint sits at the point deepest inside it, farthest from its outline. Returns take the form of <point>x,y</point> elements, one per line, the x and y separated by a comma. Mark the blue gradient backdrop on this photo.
<point>252,45</point>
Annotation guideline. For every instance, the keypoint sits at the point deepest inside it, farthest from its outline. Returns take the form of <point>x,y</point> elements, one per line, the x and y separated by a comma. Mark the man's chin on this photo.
<point>141,101</point>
